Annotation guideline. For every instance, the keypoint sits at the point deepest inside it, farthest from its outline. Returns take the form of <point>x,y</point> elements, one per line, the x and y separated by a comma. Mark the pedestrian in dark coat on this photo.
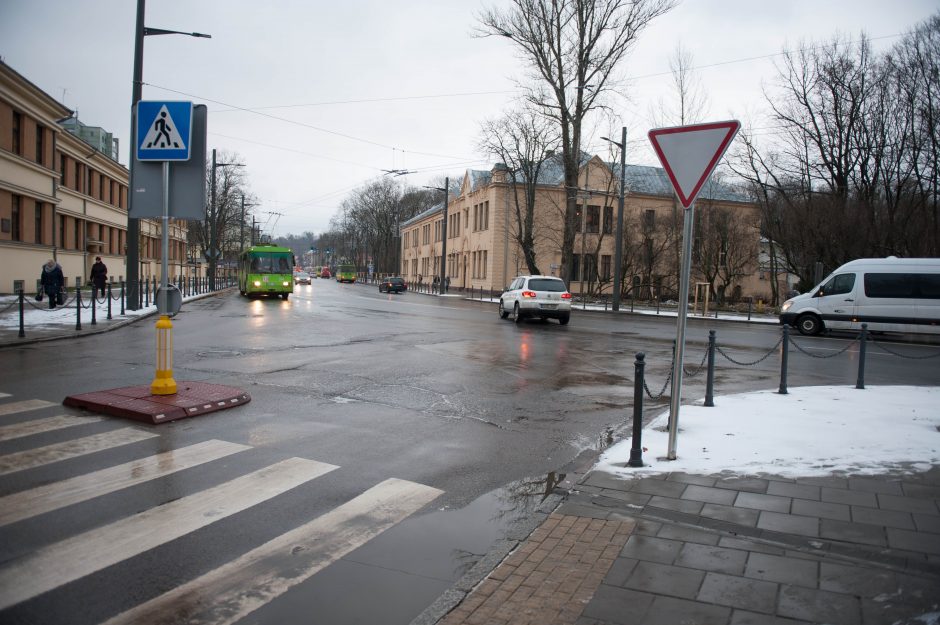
<point>52,280</point>
<point>99,275</point>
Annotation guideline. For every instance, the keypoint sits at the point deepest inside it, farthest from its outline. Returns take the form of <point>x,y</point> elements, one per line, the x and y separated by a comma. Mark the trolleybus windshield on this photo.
<point>270,263</point>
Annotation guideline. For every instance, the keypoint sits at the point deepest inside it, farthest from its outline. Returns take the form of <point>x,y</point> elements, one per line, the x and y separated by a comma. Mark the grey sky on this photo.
<point>299,65</point>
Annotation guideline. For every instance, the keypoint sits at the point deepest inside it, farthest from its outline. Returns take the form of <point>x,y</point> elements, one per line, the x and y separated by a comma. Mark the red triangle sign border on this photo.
<point>731,126</point>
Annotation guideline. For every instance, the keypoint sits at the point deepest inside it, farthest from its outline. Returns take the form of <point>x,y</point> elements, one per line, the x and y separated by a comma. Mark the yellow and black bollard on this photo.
<point>163,382</point>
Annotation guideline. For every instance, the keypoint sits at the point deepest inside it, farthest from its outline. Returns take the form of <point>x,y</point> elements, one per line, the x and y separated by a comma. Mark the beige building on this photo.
<point>63,198</point>
<point>483,224</point>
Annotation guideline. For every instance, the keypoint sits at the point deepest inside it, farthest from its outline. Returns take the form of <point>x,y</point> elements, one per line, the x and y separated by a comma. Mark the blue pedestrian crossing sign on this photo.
<point>164,130</point>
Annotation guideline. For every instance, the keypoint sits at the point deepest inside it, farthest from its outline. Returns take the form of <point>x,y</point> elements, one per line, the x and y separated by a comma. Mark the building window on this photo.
<point>483,263</point>
<point>17,232</point>
<point>78,235</point>
<point>17,133</point>
<point>575,268</point>
<point>38,222</point>
<point>649,220</point>
<point>608,219</point>
<point>61,230</point>
<point>593,223</point>
<point>605,267</point>
<point>40,144</point>
<point>486,219</point>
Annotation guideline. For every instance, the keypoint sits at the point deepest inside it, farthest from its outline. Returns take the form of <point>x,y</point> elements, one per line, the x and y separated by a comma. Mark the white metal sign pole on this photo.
<point>162,304</point>
<point>675,399</point>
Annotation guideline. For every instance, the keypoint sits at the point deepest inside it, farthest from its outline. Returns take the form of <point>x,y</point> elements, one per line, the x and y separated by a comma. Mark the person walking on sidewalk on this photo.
<point>99,276</point>
<point>52,280</point>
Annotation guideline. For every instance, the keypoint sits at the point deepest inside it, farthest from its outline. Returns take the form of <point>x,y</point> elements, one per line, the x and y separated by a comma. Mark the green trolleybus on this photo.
<point>266,270</point>
<point>345,273</point>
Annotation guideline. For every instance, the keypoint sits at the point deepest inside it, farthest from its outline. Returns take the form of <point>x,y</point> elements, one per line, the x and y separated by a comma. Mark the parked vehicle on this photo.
<point>542,297</point>
<point>266,270</point>
<point>889,294</point>
<point>393,285</point>
<point>325,273</point>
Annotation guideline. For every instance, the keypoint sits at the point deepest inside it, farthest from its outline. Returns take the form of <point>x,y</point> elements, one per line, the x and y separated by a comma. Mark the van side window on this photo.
<point>890,285</point>
<point>843,283</point>
<point>929,285</point>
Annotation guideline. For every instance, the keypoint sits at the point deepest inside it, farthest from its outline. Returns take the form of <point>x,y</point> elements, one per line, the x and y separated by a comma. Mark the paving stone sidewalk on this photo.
<point>724,550</point>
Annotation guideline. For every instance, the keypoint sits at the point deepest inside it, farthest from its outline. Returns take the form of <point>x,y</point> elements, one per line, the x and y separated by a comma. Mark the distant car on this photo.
<point>325,273</point>
<point>393,285</point>
<point>301,277</point>
<point>539,297</point>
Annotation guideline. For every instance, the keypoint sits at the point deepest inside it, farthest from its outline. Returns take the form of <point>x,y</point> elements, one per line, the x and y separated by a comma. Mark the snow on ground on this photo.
<point>813,430</point>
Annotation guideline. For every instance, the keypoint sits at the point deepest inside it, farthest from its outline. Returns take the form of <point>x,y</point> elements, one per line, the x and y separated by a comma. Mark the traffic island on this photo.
<point>191,399</point>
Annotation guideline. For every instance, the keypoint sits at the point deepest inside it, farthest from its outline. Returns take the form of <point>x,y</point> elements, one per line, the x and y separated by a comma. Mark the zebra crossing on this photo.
<point>225,594</point>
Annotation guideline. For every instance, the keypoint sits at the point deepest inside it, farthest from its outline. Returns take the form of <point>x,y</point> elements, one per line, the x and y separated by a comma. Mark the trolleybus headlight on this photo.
<point>286,283</point>
<point>257,282</point>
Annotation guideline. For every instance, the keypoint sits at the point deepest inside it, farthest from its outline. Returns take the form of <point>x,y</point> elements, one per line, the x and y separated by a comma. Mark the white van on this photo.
<point>889,294</point>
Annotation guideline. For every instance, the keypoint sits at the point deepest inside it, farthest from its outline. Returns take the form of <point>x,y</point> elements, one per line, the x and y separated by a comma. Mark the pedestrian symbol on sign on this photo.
<point>163,133</point>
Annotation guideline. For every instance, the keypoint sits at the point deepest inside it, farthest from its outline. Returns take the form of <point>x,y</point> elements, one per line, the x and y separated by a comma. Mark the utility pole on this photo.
<point>618,243</point>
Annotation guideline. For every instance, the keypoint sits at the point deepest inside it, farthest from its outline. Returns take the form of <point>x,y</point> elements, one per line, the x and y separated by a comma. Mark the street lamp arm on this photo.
<point>160,31</point>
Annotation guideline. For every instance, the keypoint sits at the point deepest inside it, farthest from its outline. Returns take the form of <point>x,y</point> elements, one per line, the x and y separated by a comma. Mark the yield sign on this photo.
<point>689,154</point>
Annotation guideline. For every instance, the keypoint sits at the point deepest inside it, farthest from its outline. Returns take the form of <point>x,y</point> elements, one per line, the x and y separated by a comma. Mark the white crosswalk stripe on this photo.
<point>240,587</point>
<point>29,503</point>
<point>39,426</point>
<point>23,406</point>
<point>81,555</point>
<point>3,395</point>
<point>32,458</point>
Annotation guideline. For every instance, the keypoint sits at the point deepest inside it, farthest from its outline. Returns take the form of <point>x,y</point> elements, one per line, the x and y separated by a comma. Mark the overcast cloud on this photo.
<point>365,70</point>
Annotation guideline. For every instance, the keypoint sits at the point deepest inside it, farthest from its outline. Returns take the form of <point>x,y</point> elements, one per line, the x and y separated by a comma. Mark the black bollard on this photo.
<point>123,295</point>
<point>78,308</point>
<point>636,447</point>
<point>109,301</point>
<point>140,293</point>
<point>783,360</point>
<point>22,327</point>
<point>146,289</point>
<point>710,376</point>
<point>94,305</point>
<point>860,383</point>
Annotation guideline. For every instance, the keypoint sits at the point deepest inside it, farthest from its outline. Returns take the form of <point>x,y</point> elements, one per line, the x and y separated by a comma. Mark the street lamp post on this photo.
<point>133,224</point>
<point>618,244</point>
<point>213,214</point>
<point>443,232</point>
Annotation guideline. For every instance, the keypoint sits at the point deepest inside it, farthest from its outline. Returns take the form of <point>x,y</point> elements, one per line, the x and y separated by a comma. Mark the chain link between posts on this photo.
<point>899,355</point>
<point>756,362</point>
<point>847,347</point>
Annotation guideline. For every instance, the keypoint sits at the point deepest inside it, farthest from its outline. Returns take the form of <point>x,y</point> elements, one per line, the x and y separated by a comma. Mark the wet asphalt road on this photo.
<point>436,391</point>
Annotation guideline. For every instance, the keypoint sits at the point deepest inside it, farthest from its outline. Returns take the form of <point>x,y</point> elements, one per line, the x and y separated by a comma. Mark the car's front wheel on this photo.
<point>809,325</point>
<point>502,310</point>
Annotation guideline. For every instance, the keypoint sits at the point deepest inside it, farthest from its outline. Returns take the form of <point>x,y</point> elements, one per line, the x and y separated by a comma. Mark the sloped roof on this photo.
<point>654,181</point>
<point>437,208</point>
<point>477,178</point>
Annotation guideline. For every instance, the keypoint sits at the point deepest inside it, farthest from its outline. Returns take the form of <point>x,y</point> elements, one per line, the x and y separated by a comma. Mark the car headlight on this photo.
<point>786,305</point>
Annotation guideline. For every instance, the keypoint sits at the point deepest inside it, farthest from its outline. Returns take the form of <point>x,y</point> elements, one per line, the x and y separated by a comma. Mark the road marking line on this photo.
<point>94,550</point>
<point>23,406</point>
<point>2,395</point>
<point>30,503</point>
<point>32,458</point>
<point>234,590</point>
<point>38,426</point>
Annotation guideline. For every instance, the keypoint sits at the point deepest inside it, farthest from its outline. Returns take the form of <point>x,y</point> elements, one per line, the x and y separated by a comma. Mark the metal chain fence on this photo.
<point>750,364</point>
<point>847,347</point>
<point>900,355</point>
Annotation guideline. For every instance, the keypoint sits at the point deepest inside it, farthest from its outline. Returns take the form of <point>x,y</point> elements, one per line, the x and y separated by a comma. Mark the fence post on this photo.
<point>146,290</point>
<point>94,305</point>
<point>636,447</point>
<point>710,376</point>
<point>122,298</point>
<point>78,308</point>
<point>750,303</point>
<point>22,333</point>
<point>860,383</point>
<point>140,293</point>
<point>783,360</point>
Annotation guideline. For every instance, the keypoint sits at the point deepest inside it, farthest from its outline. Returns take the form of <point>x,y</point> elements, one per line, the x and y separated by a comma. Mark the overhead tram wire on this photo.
<point>372,100</point>
<point>302,124</point>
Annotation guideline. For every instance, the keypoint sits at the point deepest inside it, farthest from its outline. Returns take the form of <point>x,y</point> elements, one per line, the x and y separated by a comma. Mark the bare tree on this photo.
<point>522,140</point>
<point>725,248</point>
<point>572,48</point>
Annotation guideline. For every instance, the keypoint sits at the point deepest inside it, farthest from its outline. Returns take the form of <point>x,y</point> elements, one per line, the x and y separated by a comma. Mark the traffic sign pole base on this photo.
<point>163,384</point>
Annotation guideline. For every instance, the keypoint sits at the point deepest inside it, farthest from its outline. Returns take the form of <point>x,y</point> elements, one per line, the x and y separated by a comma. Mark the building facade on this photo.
<point>64,198</point>
<point>485,218</point>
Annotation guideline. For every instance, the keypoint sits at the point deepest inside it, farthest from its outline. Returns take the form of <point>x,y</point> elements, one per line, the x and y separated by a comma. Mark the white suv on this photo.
<point>544,297</point>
